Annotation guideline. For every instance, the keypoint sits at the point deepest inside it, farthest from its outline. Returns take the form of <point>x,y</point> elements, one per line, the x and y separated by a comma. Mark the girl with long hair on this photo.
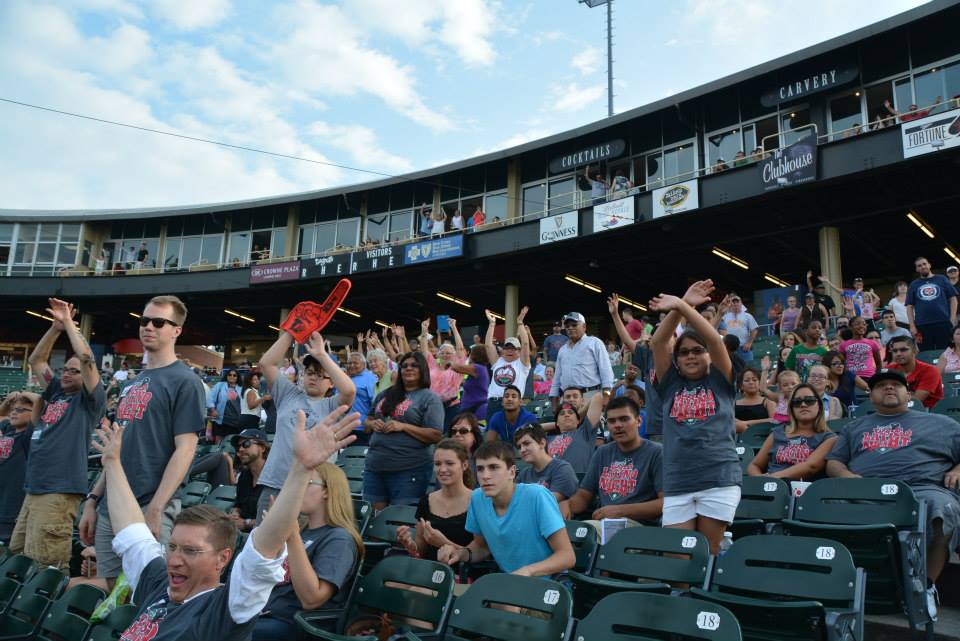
<point>751,408</point>
<point>223,405</point>
<point>949,361</point>
<point>250,401</point>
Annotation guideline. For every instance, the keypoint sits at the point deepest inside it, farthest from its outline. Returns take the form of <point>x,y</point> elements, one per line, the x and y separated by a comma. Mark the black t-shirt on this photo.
<point>14,449</point>
<point>453,527</point>
<point>247,496</point>
<point>142,255</point>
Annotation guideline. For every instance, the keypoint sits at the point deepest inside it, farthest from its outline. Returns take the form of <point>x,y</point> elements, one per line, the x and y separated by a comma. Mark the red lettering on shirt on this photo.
<point>619,479</point>
<point>143,629</point>
<point>558,446</point>
<point>792,453</point>
<point>695,405</point>
<point>6,446</point>
<point>886,437</point>
<point>134,401</point>
<point>54,411</point>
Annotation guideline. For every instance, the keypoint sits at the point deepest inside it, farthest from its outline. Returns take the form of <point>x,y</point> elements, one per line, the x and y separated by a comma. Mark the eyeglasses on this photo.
<point>246,443</point>
<point>816,377</point>
<point>460,430</point>
<point>189,552</point>
<point>734,300</point>
<point>809,401</point>
<point>313,372</point>
<point>156,322</point>
<point>691,351</point>
<point>317,482</point>
<point>20,410</point>
<point>409,365</point>
<point>71,370</point>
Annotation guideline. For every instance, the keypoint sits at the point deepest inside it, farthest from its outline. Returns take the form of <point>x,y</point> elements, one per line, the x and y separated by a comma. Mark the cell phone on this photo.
<point>443,323</point>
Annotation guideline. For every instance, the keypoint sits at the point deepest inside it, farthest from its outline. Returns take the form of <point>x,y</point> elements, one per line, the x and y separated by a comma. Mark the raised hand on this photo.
<point>452,322</point>
<point>522,315</point>
<point>425,327</point>
<point>613,304</point>
<point>699,292</point>
<point>316,346</point>
<point>490,317</point>
<point>108,441</point>
<point>314,446</point>
<point>665,303</point>
<point>765,362</point>
<point>61,311</point>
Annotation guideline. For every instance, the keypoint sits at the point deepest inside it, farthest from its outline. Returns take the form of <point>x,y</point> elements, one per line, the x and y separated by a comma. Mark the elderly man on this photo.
<point>581,362</point>
<point>366,383</point>
<point>741,323</point>
<point>921,449</point>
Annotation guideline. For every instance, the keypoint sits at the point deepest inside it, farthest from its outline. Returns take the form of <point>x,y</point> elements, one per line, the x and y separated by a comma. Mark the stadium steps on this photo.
<point>894,628</point>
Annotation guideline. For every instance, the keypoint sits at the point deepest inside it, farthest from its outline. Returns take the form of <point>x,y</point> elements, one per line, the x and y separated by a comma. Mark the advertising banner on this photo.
<point>275,272</point>
<point>325,266</point>
<point>560,227</point>
<point>674,199</point>
<point>370,260</point>
<point>793,165</point>
<point>437,249</point>
<point>940,131</point>
<point>615,214</point>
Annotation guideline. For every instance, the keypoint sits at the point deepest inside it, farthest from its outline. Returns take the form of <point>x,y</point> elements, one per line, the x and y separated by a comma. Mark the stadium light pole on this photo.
<point>609,3</point>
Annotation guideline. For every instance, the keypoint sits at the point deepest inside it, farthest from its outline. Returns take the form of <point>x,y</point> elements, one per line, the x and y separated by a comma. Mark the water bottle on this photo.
<point>726,543</point>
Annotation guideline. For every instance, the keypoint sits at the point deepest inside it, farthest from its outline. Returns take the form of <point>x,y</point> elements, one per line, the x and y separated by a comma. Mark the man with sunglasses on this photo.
<point>923,379</point>
<point>16,423</point>
<point>64,418</point>
<point>163,409</point>
<point>920,449</point>
<point>252,449</point>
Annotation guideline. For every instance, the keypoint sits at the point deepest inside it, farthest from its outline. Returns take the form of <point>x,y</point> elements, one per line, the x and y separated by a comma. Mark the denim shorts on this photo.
<point>397,488</point>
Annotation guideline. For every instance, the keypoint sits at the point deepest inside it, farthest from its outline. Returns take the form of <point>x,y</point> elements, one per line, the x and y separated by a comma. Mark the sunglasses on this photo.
<point>246,443</point>
<point>460,430</point>
<point>809,401</point>
<point>694,351</point>
<point>20,410</point>
<point>158,323</point>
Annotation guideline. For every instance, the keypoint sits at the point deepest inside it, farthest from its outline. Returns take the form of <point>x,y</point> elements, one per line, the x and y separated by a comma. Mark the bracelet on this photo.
<point>91,497</point>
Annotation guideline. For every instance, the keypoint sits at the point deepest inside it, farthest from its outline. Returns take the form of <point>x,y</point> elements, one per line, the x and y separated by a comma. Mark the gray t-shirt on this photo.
<point>886,335</point>
<point>289,399</point>
<point>398,451</point>
<point>14,450</point>
<point>699,436</point>
<point>156,406</point>
<point>619,477</point>
<point>205,617</point>
<point>788,451</point>
<point>333,554</point>
<point>654,410</point>
<point>575,447</point>
<point>558,476</point>
<point>913,447</point>
<point>61,439</point>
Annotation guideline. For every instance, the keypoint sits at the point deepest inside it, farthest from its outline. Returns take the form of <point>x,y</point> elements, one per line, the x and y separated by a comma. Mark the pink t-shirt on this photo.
<point>860,356</point>
<point>445,383</point>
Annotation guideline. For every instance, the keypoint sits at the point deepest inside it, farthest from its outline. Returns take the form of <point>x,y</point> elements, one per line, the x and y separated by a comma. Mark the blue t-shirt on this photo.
<point>498,423</point>
<point>519,537</point>
<point>552,345</point>
<point>366,383</point>
<point>930,298</point>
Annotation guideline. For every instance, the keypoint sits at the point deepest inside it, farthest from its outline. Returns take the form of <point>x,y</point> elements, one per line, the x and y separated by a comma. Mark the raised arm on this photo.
<point>697,294</point>
<point>422,338</point>
<point>613,306</point>
<point>595,409</point>
<point>660,343</point>
<point>63,312</point>
<point>524,339</point>
<point>492,355</point>
<point>457,339</point>
<point>826,281</point>
<point>346,390</point>
<point>40,356</point>
<point>268,362</point>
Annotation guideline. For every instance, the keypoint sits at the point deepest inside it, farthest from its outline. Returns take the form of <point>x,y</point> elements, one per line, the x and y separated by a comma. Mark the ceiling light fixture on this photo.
<point>582,283</point>
<point>629,302</point>
<point>381,324</point>
<point>915,219</point>
<point>349,312</point>
<point>134,314</point>
<point>952,254</point>
<point>453,299</point>
<point>247,318</point>
<point>231,312</point>
<point>32,313</point>
<point>274,327</point>
<point>742,264</point>
<point>776,281</point>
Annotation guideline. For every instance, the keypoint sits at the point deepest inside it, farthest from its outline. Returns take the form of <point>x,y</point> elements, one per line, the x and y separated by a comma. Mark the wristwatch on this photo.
<point>93,497</point>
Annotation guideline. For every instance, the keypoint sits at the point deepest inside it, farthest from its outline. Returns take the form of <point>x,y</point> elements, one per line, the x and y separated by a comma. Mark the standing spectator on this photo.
<point>701,471</point>
<point>890,327</point>
<point>931,307</point>
<point>741,324</point>
<point>898,304</point>
<point>64,418</point>
<point>289,370</point>
<point>320,373</point>
<point>923,379</point>
<point>598,185</point>
<point>101,263</point>
<point>223,404</point>
<point>553,343</point>
<point>438,222</point>
<point>552,473</point>
<point>613,353</point>
<point>953,275</point>
<point>812,310</point>
<point>582,362</point>
<point>809,353</point>
<point>130,257</point>
<point>478,219</point>
<point>504,423</point>
<point>639,348</point>
<point>949,361</point>
<point>473,399</point>
<point>251,402</point>
<point>142,255</point>
<point>405,420</point>
<point>252,450</point>
<point>365,383</point>
<point>820,295</point>
<point>16,426</point>
<point>542,388</point>
<point>379,364</point>
<point>634,328</point>
<point>512,368</point>
<point>445,379</point>
<point>426,219</point>
<point>162,411</point>
<point>862,354</point>
<point>122,374</point>
<point>790,317</point>
<point>456,221</point>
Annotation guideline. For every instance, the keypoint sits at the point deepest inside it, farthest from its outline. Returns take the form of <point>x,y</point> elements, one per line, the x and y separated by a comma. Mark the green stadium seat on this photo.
<point>352,452</point>
<point>48,583</point>
<point>644,616</point>
<point>837,425</point>
<point>764,503</point>
<point>755,435</point>
<point>223,497</point>
<point>386,589</point>
<point>63,626</point>
<point>948,407</point>
<point>863,409</point>
<point>362,513</point>
<point>381,534</point>
<point>506,607</point>
<point>789,588</point>
<point>23,617</point>
<point>194,493</point>
<point>80,600</point>
<point>18,567</point>
<point>8,592</point>
<point>583,538</point>
<point>951,384</point>
<point>883,526</point>
<point>114,625</point>
<point>644,559</point>
<point>931,356</point>
<point>619,371</point>
<point>353,468</point>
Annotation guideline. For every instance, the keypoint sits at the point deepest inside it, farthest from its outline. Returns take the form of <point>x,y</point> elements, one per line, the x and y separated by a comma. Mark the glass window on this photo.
<point>67,254</point>
<point>928,87</point>
<point>49,231</point>
<point>261,244</point>
<point>903,92</point>
<point>722,145</point>
<point>348,232</point>
<point>951,82</point>
<point>654,170</point>
<point>25,253</point>
<point>87,252</point>
<point>6,232</point>
<point>400,225</point>
<point>190,254</point>
<point>378,227</point>
<point>278,244</point>
<point>793,126</point>
<point>263,218</point>
<point>496,207</point>
<point>679,163</point>
<point>70,232</point>
<point>4,257</point>
<point>46,252</point>
<point>877,113</point>
<point>212,249</point>
<point>766,133</point>
<point>326,237</point>
<point>28,233</point>
<point>562,195</point>
<point>534,201</point>
<point>239,247</point>
<point>846,117</point>
<point>171,254</point>
<point>306,240</point>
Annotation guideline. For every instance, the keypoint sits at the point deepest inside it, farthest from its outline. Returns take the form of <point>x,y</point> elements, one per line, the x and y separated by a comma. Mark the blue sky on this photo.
<point>385,85</point>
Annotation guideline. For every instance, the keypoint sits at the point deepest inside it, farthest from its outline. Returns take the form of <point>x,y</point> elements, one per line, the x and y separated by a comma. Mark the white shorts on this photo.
<point>718,503</point>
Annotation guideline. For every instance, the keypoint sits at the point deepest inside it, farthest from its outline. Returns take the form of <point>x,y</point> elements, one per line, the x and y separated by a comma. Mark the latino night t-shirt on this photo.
<point>793,449</point>
<point>616,477</point>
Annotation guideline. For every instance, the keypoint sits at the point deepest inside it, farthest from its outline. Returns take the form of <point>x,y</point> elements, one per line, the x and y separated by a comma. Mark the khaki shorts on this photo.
<point>109,565</point>
<point>44,529</point>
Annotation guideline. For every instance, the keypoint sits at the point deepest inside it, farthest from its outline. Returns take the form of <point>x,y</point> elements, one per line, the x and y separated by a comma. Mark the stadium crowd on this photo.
<point>494,445</point>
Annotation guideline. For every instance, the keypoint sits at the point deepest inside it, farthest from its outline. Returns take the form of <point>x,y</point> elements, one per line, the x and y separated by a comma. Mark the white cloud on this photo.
<point>362,145</point>
<point>587,61</point>
<point>189,15</point>
<point>533,133</point>
<point>572,97</point>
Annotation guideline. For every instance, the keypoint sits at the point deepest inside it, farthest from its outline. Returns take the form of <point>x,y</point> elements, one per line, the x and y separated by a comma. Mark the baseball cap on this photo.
<point>887,374</point>
<point>252,433</point>
<point>952,268</point>
<point>575,316</point>
<point>513,341</point>
<point>819,286</point>
<point>858,279</point>
<point>809,295</point>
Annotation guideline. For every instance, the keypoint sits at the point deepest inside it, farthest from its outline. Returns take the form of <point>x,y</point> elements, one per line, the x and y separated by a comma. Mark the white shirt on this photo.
<point>121,374</point>
<point>899,310</point>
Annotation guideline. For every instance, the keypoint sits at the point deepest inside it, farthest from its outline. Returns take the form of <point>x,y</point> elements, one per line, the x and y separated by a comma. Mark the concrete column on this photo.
<point>293,233</point>
<point>514,190</point>
<point>86,326</point>
<point>511,307</point>
<point>829,241</point>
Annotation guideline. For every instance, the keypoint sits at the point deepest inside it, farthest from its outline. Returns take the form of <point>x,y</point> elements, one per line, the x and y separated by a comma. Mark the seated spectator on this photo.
<point>751,408</point>
<point>739,159</point>
<point>178,593</point>
<point>465,429</point>
<point>862,354</point>
<point>720,165</point>
<point>503,513</point>
<point>442,515</point>
<point>809,353</point>
<point>757,154</point>
<point>949,361</point>
<point>252,449</point>
<point>504,423</point>
<point>322,558</point>
<point>542,388</point>
<point>555,474</point>
<point>818,378</point>
<point>631,375</point>
<point>16,427</point>
<point>890,327</point>
<point>923,380</point>
<point>613,353</point>
<point>625,475</point>
<point>576,440</point>
<point>797,451</point>
<point>842,379</point>
<point>920,449</point>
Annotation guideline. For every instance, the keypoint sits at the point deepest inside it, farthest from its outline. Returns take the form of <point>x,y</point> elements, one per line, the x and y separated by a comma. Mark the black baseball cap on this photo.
<point>887,374</point>
<point>252,433</point>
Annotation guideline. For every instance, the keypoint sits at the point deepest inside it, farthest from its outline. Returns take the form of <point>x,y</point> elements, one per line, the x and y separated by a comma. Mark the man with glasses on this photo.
<point>920,449</point>
<point>741,323</point>
<point>582,362</point>
<point>923,379</point>
<point>510,368</point>
<point>320,374</point>
<point>252,449</point>
<point>16,421</point>
<point>177,589</point>
<point>163,410</point>
<point>63,418</point>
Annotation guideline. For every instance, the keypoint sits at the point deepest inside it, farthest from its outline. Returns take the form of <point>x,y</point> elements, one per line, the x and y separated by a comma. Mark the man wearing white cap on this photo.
<point>582,362</point>
<point>510,368</point>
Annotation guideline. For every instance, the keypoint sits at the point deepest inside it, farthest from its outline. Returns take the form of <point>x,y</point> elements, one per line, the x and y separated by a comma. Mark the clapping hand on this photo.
<point>522,315</point>
<point>316,346</point>
<point>490,317</point>
<point>432,535</point>
<point>62,313</point>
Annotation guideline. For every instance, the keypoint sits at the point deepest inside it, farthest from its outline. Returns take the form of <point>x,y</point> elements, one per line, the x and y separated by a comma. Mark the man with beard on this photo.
<point>252,449</point>
<point>923,379</point>
<point>931,307</point>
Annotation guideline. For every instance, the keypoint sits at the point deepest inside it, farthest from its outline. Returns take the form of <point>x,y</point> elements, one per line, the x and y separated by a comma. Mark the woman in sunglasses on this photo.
<point>223,405</point>
<point>797,451</point>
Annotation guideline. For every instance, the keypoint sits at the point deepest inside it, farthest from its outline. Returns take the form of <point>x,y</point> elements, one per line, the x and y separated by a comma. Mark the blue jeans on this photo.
<point>405,487</point>
<point>270,629</point>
